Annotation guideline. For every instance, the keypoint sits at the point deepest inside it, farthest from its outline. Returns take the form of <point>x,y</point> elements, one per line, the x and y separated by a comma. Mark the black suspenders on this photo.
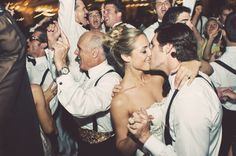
<point>94,118</point>
<point>226,66</point>
<point>168,138</point>
<point>44,76</point>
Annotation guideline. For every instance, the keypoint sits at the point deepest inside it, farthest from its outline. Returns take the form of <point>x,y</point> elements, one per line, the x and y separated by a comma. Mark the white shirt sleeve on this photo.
<point>66,16</point>
<point>157,148</point>
<point>82,102</point>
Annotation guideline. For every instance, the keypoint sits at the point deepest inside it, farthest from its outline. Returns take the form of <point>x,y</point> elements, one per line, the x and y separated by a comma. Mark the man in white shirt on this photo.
<point>222,77</point>
<point>37,64</point>
<point>161,6</point>
<point>114,12</point>
<point>42,72</point>
<point>90,101</point>
<point>193,120</point>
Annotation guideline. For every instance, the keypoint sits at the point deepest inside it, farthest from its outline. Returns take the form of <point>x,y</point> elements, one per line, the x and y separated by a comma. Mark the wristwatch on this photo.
<point>63,71</point>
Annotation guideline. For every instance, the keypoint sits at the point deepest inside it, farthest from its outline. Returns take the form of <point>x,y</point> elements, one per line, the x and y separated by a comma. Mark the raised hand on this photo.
<point>61,48</point>
<point>53,33</point>
<point>7,7</point>
<point>198,9</point>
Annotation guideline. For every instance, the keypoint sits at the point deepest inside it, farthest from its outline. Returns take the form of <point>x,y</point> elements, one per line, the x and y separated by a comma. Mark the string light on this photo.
<point>23,7</point>
<point>50,10</point>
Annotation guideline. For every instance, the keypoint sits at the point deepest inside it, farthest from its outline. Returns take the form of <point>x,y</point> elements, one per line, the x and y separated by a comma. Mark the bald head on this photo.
<point>91,50</point>
<point>93,39</point>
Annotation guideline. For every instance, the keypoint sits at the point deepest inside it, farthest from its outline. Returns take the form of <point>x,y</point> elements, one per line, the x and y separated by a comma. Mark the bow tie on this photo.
<point>31,59</point>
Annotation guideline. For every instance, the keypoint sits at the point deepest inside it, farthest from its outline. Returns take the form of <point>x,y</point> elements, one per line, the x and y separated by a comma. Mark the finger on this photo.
<point>143,114</point>
<point>179,80</point>
<point>57,26</point>
<point>133,126</point>
<point>179,76</point>
<point>117,89</point>
<point>55,92</point>
<point>60,40</point>
<point>131,129</point>
<point>50,27</point>
<point>61,44</point>
<point>54,87</point>
<point>182,82</point>
<point>136,117</point>
<point>190,80</point>
<point>51,84</point>
<point>131,121</point>
<point>143,111</point>
<point>118,86</point>
<point>150,117</point>
<point>64,38</point>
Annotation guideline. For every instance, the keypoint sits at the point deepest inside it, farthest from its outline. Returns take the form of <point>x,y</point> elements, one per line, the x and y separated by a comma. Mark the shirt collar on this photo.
<point>171,79</point>
<point>116,24</point>
<point>41,59</point>
<point>99,69</point>
<point>36,60</point>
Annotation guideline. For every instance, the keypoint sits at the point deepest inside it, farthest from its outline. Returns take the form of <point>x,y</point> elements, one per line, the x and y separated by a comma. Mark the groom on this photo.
<point>193,118</point>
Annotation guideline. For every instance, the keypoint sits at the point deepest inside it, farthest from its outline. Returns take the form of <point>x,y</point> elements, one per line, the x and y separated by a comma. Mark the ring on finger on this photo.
<point>131,121</point>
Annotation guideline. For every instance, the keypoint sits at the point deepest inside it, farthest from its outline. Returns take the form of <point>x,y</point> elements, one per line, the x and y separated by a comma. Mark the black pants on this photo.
<point>228,131</point>
<point>106,148</point>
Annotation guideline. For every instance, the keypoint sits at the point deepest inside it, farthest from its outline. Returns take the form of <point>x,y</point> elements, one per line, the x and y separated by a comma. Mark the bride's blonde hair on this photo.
<point>120,41</point>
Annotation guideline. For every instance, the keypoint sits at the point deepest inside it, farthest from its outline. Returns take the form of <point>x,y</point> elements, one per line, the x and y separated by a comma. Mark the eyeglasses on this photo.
<point>33,38</point>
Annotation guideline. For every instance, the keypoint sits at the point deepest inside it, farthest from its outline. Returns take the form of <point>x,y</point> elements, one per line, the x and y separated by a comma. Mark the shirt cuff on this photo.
<point>65,80</point>
<point>154,146</point>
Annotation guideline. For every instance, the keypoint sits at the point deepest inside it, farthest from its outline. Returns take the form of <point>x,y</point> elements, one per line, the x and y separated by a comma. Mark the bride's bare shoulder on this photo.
<point>120,99</point>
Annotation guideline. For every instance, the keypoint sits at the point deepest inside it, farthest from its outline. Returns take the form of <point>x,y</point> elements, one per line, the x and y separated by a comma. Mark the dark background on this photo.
<point>134,16</point>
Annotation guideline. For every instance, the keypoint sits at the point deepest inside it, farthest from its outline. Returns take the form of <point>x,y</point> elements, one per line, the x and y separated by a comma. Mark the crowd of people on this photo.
<point>86,83</point>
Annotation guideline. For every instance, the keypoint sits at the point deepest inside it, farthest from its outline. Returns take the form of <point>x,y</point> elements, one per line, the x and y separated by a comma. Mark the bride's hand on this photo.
<point>187,72</point>
<point>139,125</point>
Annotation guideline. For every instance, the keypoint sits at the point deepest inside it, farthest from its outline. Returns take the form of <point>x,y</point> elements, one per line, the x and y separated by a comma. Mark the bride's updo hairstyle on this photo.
<point>119,41</point>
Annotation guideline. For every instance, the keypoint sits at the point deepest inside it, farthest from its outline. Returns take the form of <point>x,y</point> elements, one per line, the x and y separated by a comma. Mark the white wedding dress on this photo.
<point>158,112</point>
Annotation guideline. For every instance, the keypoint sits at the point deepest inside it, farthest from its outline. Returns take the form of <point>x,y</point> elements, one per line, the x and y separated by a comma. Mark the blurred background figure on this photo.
<point>161,6</point>
<point>95,18</point>
<point>224,12</point>
<point>19,130</point>
<point>198,19</point>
